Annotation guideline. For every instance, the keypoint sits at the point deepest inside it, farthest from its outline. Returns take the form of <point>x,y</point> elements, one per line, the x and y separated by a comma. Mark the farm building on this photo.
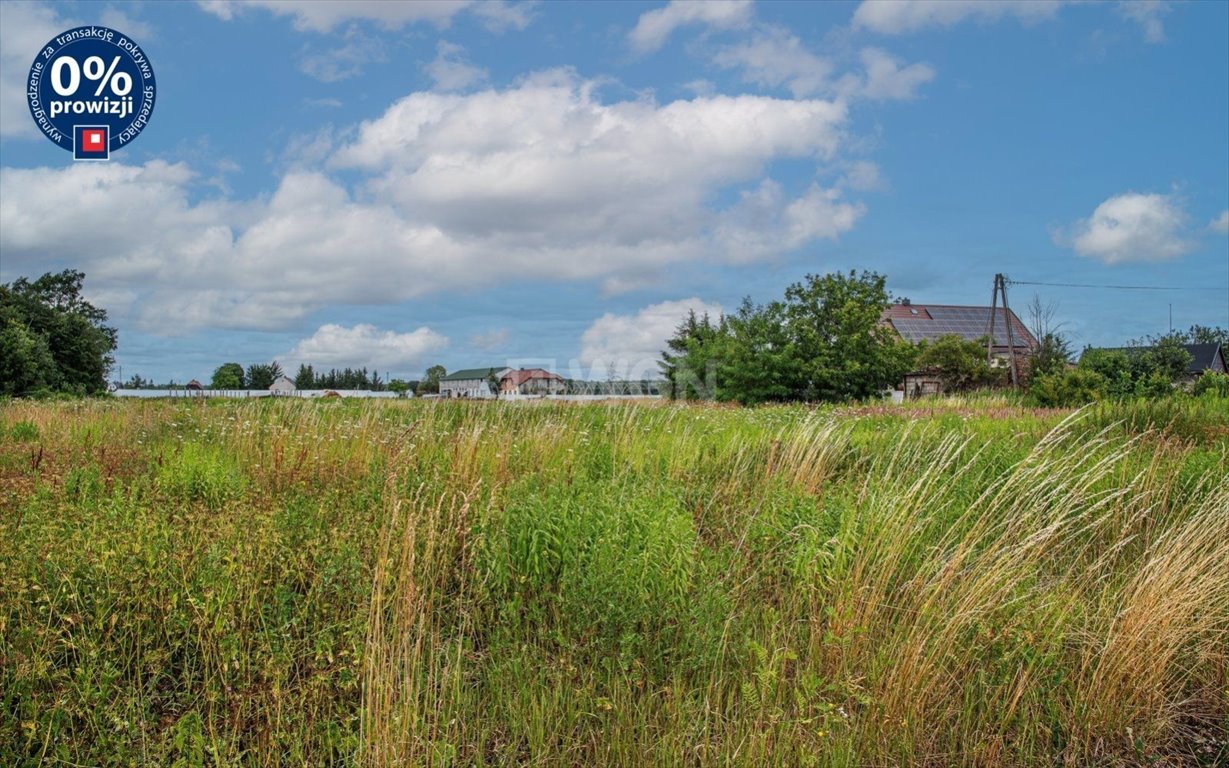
<point>471,382</point>
<point>532,381</point>
<point>282,385</point>
<point>916,323</point>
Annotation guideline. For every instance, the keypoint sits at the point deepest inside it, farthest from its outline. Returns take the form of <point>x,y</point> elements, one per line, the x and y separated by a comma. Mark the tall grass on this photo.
<point>447,584</point>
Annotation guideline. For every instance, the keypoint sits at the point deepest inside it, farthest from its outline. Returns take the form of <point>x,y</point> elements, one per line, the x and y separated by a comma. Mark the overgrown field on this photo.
<point>266,583</point>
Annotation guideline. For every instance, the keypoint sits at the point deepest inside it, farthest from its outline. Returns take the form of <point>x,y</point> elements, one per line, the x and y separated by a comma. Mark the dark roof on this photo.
<point>1203,356</point>
<point>472,373</point>
<point>928,322</point>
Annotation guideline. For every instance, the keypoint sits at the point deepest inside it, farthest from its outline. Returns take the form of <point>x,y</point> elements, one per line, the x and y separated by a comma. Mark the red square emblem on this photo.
<point>93,140</point>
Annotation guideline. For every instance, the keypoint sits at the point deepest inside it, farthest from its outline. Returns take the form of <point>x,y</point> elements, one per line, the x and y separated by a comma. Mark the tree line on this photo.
<point>824,341</point>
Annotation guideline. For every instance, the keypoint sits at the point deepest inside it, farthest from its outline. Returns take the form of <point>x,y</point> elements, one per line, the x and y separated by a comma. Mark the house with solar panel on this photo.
<point>916,323</point>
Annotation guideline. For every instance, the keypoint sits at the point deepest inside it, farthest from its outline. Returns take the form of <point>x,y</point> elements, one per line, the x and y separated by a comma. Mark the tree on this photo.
<point>261,376</point>
<point>1143,371</point>
<point>961,364</point>
<point>1052,356</point>
<point>431,380</point>
<point>844,351</point>
<point>228,376</point>
<point>305,378</point>
<point>49,319</point>
<point>1053,352</point>
<point>1202,334</point>
<point>757,361</point>
<point>688,363</point>
<point>26,364</point>
<point>399,386</point>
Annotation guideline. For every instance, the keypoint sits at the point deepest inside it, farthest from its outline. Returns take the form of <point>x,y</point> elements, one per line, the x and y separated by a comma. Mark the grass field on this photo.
<point>267,583</point>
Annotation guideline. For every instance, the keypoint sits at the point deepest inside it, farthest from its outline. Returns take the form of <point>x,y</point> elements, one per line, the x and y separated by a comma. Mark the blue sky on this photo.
<point>372,183</point>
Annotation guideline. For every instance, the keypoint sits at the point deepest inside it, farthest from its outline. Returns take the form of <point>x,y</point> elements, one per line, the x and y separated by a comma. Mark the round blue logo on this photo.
<point>91,91</point>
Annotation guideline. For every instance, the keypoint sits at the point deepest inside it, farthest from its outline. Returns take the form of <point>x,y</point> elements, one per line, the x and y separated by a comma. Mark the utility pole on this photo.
<point>1000,288</point>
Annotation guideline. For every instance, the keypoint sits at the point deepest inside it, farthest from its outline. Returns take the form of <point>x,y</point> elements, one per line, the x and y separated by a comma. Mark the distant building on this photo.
<point>194,385</point>
<point>532,381</point>
<point>1207,357</point>
<point>282,385</point>
<point>471,382</point>
<point>916,323</point>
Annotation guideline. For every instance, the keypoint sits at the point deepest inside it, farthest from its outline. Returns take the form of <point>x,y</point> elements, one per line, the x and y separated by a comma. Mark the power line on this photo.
<point>1116,287</point>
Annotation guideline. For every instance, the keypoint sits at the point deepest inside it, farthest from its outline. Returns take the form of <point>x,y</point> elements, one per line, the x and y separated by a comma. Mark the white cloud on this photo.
<point>24,29</point>
<point>894,17</point>
<point>763,223</point>
<point>498,15</point>
<point>451,71</point>
<point>1147,13</point>
<point>887,79</point>
<point>453,192</point>
<point>632,344</point>
<point>1220,223</point>
<point>1131,227</point>
<point>491,340</point>
<point>336,346</point>
<point>863,176</point>
<point>774,57</point>
<point>655,27</point>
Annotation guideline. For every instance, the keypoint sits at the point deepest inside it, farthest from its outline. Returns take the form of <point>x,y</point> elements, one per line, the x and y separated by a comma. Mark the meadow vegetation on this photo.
<point>957,582</point>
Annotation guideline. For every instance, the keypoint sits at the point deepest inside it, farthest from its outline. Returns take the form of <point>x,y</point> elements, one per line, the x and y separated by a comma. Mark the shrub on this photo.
<point>24,431</point>
<point>1211,384</point>
<point>1068,389</point>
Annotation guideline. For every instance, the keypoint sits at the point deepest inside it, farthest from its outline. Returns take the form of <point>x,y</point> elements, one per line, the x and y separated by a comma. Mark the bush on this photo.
<point>1068,389</point>
<point>24,431</point>
<point>1211,384</point>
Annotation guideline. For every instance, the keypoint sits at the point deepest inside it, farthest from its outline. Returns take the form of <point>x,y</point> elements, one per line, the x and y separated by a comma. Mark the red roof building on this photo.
<point>532,381</point>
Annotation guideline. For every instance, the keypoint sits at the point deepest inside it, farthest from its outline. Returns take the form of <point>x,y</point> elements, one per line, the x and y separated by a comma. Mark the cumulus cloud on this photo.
<point>655,27</point>
<point>451,71</point>
<point>1147,14</point>
<point>449,192</point>
<point>1131,227</point>
<point>336,346</point>
<point>632,344</point>
<point>774,57</point>
<point>887,79</point>
<point>24,29</point>
<point>763,223</point>
<point>1220,223</point>
<point>895,17</point>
